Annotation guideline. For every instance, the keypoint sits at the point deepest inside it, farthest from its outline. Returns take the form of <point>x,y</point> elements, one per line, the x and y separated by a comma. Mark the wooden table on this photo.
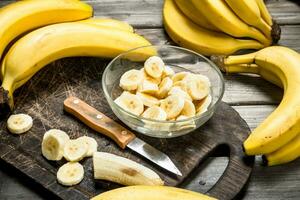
<point>251,96</point>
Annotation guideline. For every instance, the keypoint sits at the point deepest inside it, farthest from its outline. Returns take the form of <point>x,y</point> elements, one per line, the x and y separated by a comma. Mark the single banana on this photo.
<point>189,109</point>
<point>19,123</point>
<point>131,103</point>
<point>131,79</point>
<point>172,105</point>
<point>111,23</point>
<point>70,174</point>
<point>150,193</point>
<point>285,154</point>
<point>154,66</point>
<point>191,12</point>
<point>164,87</point>
<point>283,124</point>
<point>53,147</point>
<point>264,12</point>
<point>121,170</point>
<point>156,113</point>
<point>91,144</point>
<point>22,16</point>
<point>75,150</point>
<point>53,42</point>
<point>187,34</point>
<point>147,99</point>
<point>249,12</point>
<point>219,14</point>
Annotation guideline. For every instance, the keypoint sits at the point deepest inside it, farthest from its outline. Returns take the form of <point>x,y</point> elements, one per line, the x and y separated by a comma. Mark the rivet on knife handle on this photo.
<point>98,121</point>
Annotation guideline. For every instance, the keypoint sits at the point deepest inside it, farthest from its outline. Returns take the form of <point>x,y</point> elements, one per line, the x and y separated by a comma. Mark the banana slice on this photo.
<point>168,72</point>
<point>154,66</point>
<point>75,150</point>
<point>189,109</point>
<point>189,124</point>
<point>148,87</point>
<point>58,133</point>
<point>181,85</point>
<point>149,78</point>
<point>202,105</point>
<point>53,146</point>
<point>164,87</point>
<point>177,91</point>
<point>197,86</point>
<point>130,103</point>
<point>19,123</point>
<point>172,105</point>
<point>91,143</point>
<point>70,174</point>
<point>179,76</point>
<point>148,100</point>
<point>131,79</point>
<point>156,113</point>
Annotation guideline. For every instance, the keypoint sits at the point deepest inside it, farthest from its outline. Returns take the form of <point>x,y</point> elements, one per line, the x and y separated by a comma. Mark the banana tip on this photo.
<point>219,61</point>
<point>276,32</point>
<point>4,103</point>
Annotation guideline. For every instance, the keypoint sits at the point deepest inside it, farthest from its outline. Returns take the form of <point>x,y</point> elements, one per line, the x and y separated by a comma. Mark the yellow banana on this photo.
<point>249,12</point>
<point>282,125</point>
<point>22,16</point>
<point>264,12</point>
<point>187,34</point>
<point>57,41</point>
<point>219,14</point>
<point>285,154</point>
<point>191,12</point>
<point>150,193</point>
<point>111,23</point>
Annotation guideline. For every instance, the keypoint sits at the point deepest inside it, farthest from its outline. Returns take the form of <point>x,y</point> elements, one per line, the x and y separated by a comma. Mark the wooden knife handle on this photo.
<point>98,121</point>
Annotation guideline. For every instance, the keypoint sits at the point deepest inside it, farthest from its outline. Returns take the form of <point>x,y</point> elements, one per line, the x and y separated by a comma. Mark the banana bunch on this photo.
<point>220,26</point>
<point>88,37</point>
<point>278,136</point>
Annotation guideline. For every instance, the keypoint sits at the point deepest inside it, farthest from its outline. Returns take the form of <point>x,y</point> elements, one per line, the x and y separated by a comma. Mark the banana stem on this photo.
<point>240,59</point>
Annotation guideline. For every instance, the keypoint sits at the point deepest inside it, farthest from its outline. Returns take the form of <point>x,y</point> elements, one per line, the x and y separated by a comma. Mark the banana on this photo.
<point>19,123</point>
<point>219,14</point>
<point>70,174</point>
<point>154,66</point>
<point>147,99</point>
<point>285,154</point>
<point>183,123</point>
<point>111,23</point>
<point>53,146</point>
<point>168,72</point>
<point>149,78</point>
<point>283,124</point>
<point>91,144</point>
<point>148,87</point>
<point>150,193</point>
<point>187,34</point>
<point>155,112</point>
<point>249,12</point>
<point>189,109</point>
<point>75,150</point>
<point>264,12</point>
<point>181,85</point>
<point>202,105</point>
<point>179,76</point>
<point>172,105</point>
<point>22,16</point>
<point>198,86</point>
<point>131,79</point>
<point>59,133</point>
<point>177,91</point>
<point>131,103</point>
<point>121,170</point>
<point>57,41</point>
<point>191,12</point>
<point>164,87</point>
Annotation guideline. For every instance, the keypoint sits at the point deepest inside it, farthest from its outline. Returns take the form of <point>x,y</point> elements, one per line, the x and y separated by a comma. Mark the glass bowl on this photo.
<point>179,59</point>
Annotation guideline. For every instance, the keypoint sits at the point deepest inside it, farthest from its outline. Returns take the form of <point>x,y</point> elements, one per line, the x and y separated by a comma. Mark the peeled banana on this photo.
<point>53,42</point>
<point>281,65</point>
<point>123,171</point>
<point>150,193</point>
<point>187,34</point>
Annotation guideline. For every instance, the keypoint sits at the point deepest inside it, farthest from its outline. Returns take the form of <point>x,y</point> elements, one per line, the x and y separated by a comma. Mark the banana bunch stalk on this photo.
<point>55,40</point>
<point>220,26</point>
<point>278,136</point>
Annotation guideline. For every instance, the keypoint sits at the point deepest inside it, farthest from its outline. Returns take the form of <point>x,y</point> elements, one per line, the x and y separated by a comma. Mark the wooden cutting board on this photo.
<point>43,97</point>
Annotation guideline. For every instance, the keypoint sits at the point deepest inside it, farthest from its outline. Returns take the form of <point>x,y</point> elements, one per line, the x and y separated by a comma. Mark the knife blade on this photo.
<point>122,136</point>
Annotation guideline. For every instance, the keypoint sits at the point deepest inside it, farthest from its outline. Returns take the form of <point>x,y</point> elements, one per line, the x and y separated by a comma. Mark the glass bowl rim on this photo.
<point>196,117</point>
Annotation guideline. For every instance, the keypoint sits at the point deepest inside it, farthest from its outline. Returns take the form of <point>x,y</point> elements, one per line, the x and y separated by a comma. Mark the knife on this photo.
<point>122,136</point>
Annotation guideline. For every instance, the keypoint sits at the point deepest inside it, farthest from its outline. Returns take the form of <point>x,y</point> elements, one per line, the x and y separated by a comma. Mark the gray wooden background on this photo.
<point>251,96</point>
